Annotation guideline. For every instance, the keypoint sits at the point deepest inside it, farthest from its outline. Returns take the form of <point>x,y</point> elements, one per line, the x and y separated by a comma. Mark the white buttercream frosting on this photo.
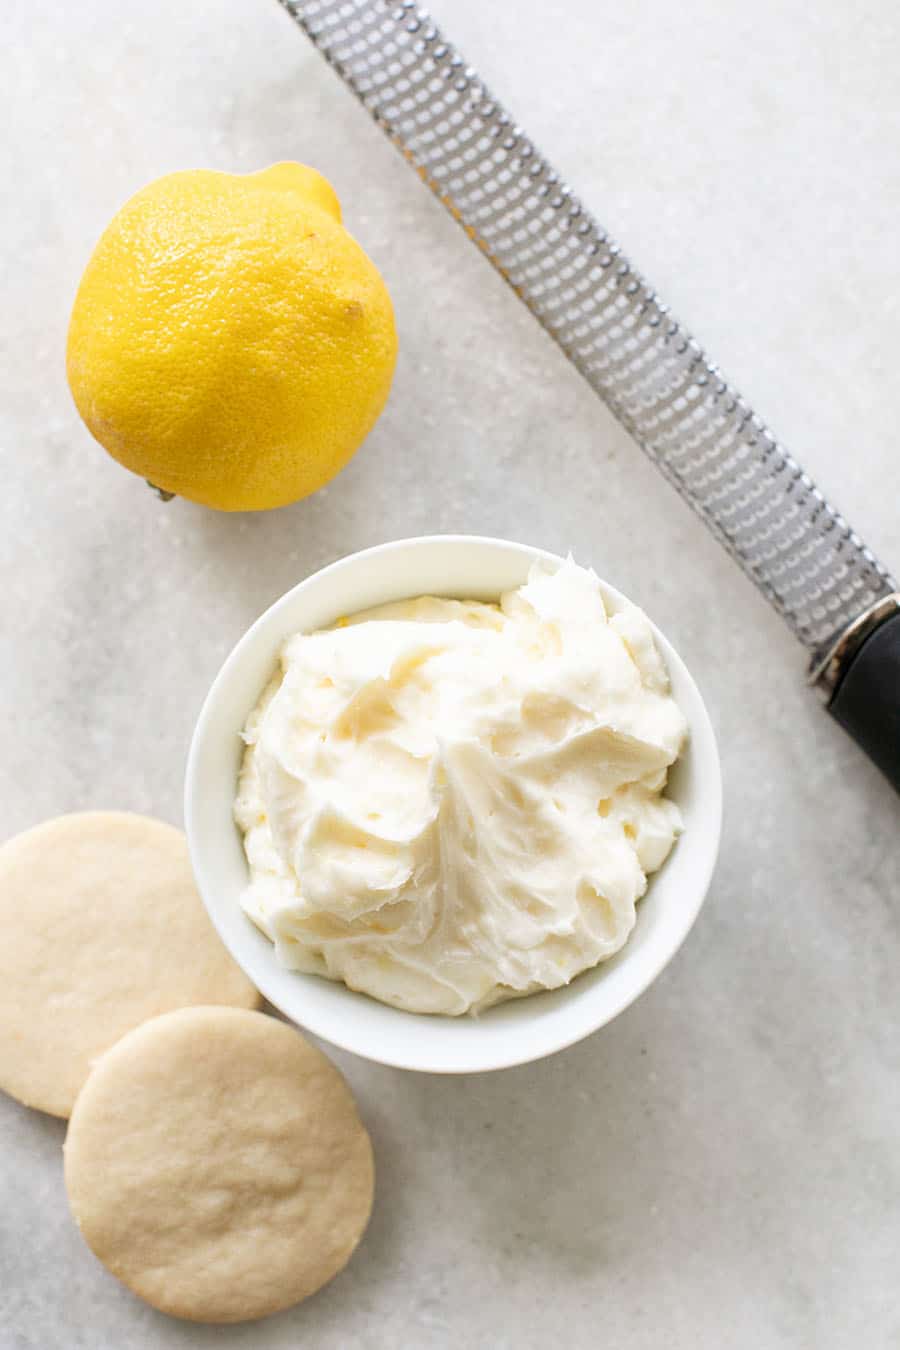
<point>447,803</point>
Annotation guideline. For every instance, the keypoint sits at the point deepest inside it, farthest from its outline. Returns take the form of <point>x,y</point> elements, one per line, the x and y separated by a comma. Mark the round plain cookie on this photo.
<point>216,1164</point>
<point>101,927</point>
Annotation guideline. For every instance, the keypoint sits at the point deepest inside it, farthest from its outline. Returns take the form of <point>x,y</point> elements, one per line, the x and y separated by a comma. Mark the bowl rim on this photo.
<point>581,1028</point>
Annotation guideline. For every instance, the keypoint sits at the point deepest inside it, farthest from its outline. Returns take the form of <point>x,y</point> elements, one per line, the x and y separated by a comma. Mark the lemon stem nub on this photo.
<point>160,492</point>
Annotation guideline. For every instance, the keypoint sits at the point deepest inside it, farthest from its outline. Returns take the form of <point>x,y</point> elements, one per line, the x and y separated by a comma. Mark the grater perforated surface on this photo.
<point>653,375</point>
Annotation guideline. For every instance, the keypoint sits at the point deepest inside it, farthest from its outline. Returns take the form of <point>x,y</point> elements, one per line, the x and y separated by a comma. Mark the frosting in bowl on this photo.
<point>449,803</point>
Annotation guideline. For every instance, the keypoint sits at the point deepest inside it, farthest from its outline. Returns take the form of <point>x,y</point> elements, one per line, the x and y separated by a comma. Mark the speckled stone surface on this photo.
<point>719,1166</point>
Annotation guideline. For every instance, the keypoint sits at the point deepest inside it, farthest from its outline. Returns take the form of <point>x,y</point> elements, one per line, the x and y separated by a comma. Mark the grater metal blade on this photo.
<point>612,325</point>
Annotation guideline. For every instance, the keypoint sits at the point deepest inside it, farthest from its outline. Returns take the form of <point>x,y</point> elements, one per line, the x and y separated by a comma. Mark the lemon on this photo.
<point>230,341</point>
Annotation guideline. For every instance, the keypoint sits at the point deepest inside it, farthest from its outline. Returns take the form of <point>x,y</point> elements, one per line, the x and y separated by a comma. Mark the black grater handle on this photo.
<point>866,702</point>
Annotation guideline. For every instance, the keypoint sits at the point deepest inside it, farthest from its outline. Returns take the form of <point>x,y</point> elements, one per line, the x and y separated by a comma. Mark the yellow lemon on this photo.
<point>230,341</point>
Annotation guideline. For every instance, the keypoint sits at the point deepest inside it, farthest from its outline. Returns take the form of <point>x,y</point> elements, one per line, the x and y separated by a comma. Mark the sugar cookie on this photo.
<point>101,927</point>
<point>216,1164</point>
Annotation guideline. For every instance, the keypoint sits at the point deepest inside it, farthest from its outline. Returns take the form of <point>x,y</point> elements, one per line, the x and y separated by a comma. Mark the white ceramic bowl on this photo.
<point>513,1032</point>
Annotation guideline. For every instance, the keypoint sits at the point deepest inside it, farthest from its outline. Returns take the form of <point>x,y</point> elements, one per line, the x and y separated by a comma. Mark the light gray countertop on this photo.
<point>719,1167</point>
